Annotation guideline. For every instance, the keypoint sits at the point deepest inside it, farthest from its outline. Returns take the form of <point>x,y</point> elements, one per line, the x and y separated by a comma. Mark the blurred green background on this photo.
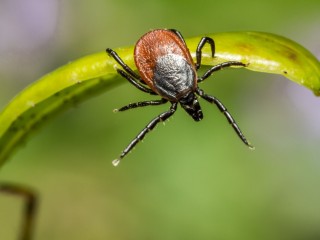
<point>187,180</point>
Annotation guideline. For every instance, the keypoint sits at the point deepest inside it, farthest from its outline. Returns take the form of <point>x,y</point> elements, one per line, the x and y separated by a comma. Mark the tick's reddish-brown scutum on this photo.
<point>153,45</point>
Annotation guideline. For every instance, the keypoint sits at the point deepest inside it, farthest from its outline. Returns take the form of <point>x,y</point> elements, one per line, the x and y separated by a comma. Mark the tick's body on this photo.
<point>165,65</point>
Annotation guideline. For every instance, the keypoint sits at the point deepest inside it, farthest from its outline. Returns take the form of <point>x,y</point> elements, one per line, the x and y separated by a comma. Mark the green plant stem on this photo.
<point>91,75</point>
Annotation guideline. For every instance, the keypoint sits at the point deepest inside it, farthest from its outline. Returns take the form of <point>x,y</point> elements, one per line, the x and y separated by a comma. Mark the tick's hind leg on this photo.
<point>160,118</point>
<point>141,104</point>
<point>224,110</point>
<point>29,213</point>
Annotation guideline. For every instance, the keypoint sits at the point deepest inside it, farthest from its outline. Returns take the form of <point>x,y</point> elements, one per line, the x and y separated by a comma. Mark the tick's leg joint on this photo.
<point>116,57</point>
<point>219,67</point>
<point>201,44</point>
<point>135,83</point>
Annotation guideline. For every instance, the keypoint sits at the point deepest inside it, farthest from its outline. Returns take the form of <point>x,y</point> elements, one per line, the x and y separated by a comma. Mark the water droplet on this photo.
<point>116,162</point>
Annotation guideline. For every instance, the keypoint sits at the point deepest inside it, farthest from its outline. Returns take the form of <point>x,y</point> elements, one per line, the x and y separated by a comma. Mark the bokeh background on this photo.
<point>187,180</point>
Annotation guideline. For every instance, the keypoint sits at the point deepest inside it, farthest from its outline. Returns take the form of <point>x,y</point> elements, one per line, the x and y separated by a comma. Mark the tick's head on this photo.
<point>191,105</point>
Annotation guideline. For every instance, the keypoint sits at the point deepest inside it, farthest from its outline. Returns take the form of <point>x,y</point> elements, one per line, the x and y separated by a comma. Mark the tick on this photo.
<point>166,69</point>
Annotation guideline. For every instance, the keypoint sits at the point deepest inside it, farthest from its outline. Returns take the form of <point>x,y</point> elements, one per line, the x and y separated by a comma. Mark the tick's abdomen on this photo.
<point>173,77</point>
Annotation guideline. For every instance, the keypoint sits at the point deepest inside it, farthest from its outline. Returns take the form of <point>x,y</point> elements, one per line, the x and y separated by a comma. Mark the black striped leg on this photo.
<point>134,82</point>
<point>123,65</point>
<point>30,207</point>
<point>151,125</point>
<point>201,44</point>
<point>224,110</point>
<point>220,67</point>
<point>141,104</point>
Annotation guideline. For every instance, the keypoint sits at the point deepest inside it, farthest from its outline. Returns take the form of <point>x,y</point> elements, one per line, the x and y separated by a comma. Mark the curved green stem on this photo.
<point>94,74</point>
